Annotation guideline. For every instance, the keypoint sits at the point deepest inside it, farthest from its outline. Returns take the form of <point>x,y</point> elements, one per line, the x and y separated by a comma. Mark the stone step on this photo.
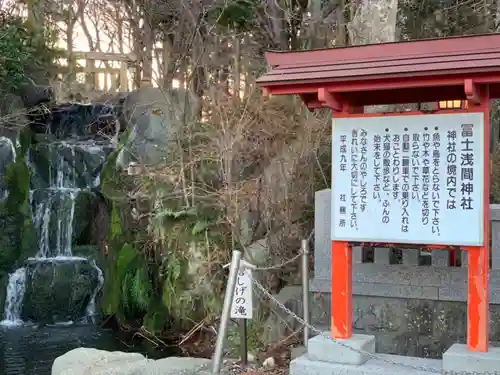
<point>304,366</point>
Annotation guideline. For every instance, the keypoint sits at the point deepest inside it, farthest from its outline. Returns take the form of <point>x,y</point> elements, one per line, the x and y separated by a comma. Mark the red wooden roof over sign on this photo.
<point>387,73</point>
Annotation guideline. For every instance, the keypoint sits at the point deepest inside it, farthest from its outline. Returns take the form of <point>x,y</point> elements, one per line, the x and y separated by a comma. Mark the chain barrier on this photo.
<point>278,266</point>
<point>362,352</point>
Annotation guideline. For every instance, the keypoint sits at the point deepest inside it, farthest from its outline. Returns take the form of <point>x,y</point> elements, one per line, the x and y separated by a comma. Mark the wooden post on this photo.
<point>341,296</point>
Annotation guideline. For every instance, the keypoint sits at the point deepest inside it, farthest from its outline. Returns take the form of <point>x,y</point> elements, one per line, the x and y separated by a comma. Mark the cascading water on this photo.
<point>14,298</point>
<point>55,189</point>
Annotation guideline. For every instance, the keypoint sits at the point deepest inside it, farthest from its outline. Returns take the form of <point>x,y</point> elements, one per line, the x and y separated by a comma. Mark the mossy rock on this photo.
<point>82,221</point>
<point>4,280</point>
<point>17,233</point>
<point>87,251</point>
<point>58,290</point>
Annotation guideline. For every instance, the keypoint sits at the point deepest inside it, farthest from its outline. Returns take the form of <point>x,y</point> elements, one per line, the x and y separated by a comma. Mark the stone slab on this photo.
<point>322,246</point>
<point>380,290</point>
<point>458,359</point>
<point>440,258</point>
<point>411,257</point>
<point>383,365</point>
<point>352,351</point>
<point>400,281</point>
<point>322,239</point>
<point>495,245</point>
<point>298,351</point>
<point>458,292</point>
<point>382,255</point>
<point>89,361</point>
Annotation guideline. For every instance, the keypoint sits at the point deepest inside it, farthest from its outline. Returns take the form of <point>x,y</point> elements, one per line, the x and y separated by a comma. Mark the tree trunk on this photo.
<point>340,35</point>
<point>237,67</point>
<point>69,50</point>
<point>374,21</point>
<point>147,48</point>
<point>168,61</point>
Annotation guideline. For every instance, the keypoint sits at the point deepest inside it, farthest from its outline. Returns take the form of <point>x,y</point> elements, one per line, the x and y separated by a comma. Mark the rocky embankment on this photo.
<point>87,361</point>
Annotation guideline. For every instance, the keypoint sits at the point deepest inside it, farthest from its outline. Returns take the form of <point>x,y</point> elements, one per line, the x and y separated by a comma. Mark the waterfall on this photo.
<point>53,210</point>
<point>14,300</point>
<point>91,307</point>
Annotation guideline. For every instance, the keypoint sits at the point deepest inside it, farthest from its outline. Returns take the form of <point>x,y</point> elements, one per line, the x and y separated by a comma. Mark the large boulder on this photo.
<point>86,361</point>
<point>153,117</point>
<point>280,324</point>
<point>58,289</point>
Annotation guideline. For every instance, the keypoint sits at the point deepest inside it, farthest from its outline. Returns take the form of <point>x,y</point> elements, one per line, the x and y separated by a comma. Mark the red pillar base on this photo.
<point>477,299</point>
<point>341,290</point>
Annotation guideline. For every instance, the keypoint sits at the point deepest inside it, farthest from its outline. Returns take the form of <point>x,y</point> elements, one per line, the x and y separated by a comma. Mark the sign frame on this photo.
<point>376,231</point>
<point>478,256</point>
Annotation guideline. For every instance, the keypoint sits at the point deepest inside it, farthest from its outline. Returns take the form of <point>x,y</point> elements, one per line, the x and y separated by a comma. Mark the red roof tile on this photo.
<point>387,66</point>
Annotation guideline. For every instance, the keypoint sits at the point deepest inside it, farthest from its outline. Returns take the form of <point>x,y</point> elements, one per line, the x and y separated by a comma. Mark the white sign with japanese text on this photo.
<point>242,305</point>
<point>409,179</point>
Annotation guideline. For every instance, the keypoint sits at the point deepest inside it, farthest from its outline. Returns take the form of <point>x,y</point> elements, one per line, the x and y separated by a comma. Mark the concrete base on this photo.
<point>346,351</point>
<point>298,352</point>
<point>304,366</point>
<point>458,359</point>
<point>356,356</point>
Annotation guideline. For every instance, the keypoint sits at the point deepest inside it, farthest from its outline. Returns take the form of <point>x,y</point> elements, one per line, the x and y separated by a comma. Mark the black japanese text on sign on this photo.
<point>242,305</point>
<point>408,179</point>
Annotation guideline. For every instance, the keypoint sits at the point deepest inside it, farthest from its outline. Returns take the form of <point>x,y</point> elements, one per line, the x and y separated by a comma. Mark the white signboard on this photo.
<point>408,179</point>
<point>242,306</point>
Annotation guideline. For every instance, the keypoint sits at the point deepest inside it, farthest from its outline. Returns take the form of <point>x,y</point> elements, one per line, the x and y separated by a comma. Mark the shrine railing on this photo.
<point>410,273</point>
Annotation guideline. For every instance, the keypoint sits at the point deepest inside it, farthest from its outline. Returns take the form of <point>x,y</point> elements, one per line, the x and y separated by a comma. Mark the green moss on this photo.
<point>113,182</point>
<point>17,180</point>
<point>26,139</point>
<point>254,342</point>
<point>17,233</point>
<point>155,318</point>
<point>115,229</point>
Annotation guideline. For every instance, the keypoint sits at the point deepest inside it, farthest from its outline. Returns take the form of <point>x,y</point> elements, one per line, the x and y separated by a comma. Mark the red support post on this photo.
<point>341,296</point>
<point>477,299</point>
<point>478,256</point>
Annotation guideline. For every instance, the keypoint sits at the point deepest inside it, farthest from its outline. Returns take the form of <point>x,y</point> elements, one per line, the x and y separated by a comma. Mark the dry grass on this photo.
<point>257,162</point>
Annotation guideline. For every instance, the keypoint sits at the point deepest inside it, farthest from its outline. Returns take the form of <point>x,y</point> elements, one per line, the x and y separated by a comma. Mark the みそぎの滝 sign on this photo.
<point>415,179</point>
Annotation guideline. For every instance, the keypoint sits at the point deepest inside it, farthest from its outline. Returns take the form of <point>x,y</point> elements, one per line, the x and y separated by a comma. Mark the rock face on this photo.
<point>7,156</point>
<point>97,121</point>
<point>153,117</point>
<point>59,289</point>
<point>85,361</point>
<point>280,324</point>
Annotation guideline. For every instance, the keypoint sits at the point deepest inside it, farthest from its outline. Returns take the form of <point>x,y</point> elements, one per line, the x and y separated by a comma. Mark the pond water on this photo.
<point>31,350</point>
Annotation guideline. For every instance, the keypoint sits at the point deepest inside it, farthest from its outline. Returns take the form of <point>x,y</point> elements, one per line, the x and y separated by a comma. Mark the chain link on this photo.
<point>278,266</point>
<point>362,352</point>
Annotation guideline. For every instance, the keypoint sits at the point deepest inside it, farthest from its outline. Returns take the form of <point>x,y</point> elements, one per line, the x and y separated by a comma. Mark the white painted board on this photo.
<point>242,305</point>
<point>409,179</point>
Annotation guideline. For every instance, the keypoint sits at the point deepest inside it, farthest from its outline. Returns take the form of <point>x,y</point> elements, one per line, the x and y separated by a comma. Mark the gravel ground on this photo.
<point>233,368</point>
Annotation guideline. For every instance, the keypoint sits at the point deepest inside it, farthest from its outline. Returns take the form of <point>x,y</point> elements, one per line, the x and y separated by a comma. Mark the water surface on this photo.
<point>31,350</point>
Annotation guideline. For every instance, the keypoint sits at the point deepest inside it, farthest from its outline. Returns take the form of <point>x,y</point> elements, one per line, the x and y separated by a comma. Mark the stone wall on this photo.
<point>412,309</point>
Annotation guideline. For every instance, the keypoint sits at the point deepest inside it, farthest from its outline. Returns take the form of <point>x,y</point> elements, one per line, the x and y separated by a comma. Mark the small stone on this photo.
<point>269,363</point>
<point>250,357</point>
